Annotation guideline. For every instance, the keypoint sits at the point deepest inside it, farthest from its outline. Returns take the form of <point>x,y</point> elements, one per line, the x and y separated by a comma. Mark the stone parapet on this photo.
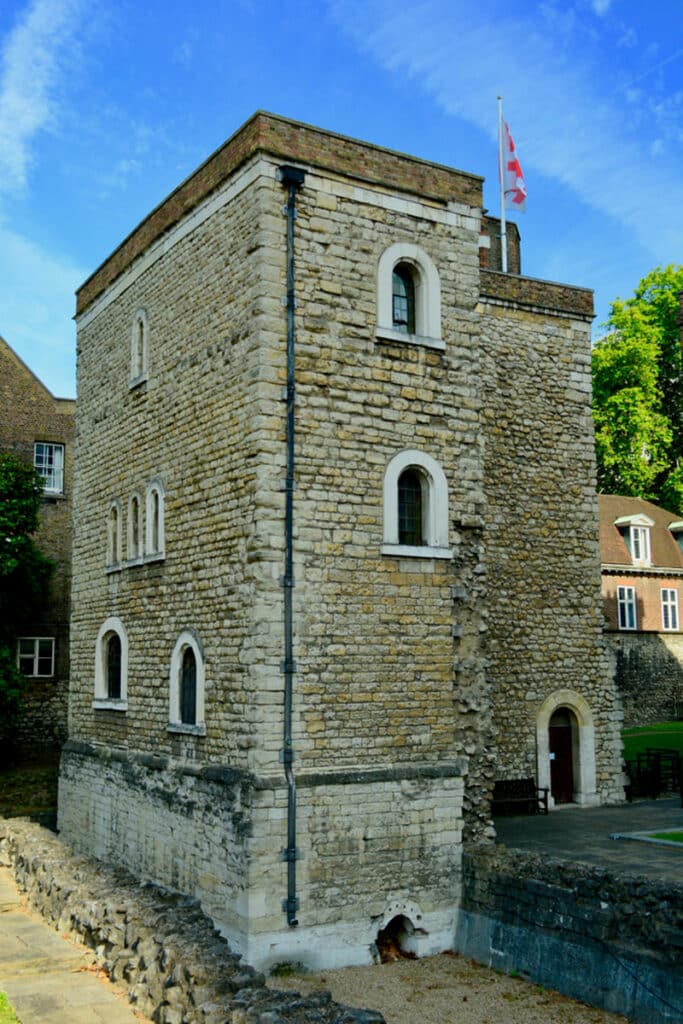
<point>543,296</point>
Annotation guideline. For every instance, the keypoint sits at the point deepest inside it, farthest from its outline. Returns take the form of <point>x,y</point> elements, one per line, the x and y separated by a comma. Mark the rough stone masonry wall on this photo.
<point>156,943</point>
<point>375,846</point>
<point>610,939</point>
<point>192,426</point>
<point>648,672</point>
<point>542,545</point>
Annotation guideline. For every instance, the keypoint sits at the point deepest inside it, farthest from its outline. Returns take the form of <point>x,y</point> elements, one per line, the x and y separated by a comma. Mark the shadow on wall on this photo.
<point>649,676</point>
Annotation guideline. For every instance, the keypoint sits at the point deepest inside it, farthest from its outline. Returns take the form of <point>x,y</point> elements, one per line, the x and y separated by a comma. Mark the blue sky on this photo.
<point>105,106</point>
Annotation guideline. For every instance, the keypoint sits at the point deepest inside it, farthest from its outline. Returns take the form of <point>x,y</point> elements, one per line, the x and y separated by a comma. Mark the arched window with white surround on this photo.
<point>139,345</point>
<point>408,297</point>
<point>111,666</point>
<point>154,520</point>
<point>113,557</point>
<point>187,685</point>
<point>135,538</point>
<point>415,507</point>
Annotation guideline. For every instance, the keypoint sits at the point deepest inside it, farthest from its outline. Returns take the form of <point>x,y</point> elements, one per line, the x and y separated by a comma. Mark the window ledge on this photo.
<point>415,551</point>
<point>105,704</point>
<point>136,382</point>
<point>130,562</point>
<point>187,730</point>
<point>116,567</point>
<point>389,334</point>
<point>156,556</point>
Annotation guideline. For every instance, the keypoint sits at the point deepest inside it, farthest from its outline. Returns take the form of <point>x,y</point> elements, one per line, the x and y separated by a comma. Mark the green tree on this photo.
<point>638,394</point>
<point>24,577</point>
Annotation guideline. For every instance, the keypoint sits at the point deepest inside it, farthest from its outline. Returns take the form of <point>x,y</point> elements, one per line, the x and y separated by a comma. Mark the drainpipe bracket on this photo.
<point>291,907</point>
<point>287,666</point>
<point>286,581</point>
<point>286,756</point>
<point>288,854</point>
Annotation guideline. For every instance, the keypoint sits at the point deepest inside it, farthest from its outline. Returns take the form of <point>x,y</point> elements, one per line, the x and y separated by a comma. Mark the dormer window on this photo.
<point>635,529</point>
<point>677,530</point>
<point>640,544</point>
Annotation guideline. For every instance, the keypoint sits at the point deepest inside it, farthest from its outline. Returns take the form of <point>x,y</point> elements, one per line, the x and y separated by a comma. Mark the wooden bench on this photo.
<point>518,796</point>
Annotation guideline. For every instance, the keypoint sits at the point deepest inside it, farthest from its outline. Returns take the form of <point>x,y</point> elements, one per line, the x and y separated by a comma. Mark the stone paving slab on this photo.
<point>48,979</point>
<point>583,834</point>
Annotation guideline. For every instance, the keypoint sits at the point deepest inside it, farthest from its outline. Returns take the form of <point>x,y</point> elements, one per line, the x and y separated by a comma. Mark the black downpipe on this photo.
<point>292,178</point>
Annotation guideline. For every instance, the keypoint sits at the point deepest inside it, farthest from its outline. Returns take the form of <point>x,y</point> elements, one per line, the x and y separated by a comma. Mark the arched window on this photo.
<point>113,656</point>
<point>134,528</point>
<point>154,521</point>
<point>113,560</point>
<point>138,348</point>
<point>111,665</point>
<point>186,686</point>
<point>410,507</point>
<point>415,507</point>
<point>403,299</point>
<point>408,297</point>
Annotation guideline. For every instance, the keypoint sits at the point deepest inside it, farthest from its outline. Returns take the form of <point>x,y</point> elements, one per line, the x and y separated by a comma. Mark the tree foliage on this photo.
<point>24,576</point>
<point>638,394</point>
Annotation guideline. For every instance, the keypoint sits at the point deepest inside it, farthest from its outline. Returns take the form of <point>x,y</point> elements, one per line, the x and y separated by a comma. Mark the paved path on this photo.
<point>583,834</point>
<point>47,978</point>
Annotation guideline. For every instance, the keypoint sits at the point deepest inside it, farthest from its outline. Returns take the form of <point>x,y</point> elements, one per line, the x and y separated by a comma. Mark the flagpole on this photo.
<point>501,178</point>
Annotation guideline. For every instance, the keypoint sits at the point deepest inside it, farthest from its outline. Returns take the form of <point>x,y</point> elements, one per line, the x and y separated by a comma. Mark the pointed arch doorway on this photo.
<point>562,748</point>
<point>565,728</point>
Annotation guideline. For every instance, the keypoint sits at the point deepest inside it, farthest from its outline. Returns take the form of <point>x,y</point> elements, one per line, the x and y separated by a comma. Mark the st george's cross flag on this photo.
<point>513,176</point>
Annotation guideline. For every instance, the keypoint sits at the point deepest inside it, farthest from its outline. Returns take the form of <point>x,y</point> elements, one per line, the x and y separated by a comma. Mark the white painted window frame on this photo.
<point>36,641</point>
<point>53,480</point>
<point>101,700</point>
<point>626,599</point>
<point>139,347</point>
<point>154,552</point>
<point>427,296</point>
<point>188,638</point>
<point>669,603</point>
<point>434,510</point>
<point>640,544</point>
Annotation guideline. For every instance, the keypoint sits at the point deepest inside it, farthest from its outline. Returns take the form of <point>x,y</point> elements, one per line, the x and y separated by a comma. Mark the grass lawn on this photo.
<point>7,1014</point>
<point>664,734</point>
<point>672,837</point>
<point>28,789</point>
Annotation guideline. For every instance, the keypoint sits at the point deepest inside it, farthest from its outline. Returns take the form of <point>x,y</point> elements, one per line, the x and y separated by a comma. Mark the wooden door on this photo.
<point>561,756</point>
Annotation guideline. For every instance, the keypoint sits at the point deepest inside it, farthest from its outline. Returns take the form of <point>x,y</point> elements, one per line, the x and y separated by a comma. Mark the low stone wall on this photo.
<point>611,940</point>
<point>159,944</point>
<point>648,671</point>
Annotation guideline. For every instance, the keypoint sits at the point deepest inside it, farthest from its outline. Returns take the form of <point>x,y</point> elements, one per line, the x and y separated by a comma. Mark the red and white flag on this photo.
<point>513,176</point>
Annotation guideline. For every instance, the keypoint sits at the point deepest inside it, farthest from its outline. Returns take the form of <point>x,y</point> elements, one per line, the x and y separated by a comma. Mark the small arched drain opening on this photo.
<point>395,941</point>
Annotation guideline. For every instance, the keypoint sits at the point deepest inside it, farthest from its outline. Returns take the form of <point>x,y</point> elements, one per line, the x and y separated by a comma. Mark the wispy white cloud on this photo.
<point>34,57</point>
<point>568,114</point>
<point>601,6</point>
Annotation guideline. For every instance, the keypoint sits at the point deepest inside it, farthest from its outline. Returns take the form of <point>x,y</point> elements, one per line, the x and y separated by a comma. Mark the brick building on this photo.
<point>39,428</point>
<point>329,459</point>
<point>641,549</point>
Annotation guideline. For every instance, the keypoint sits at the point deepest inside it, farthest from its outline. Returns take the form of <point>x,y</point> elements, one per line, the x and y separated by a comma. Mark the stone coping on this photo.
<point>289,141</point>
<point>229,775</point>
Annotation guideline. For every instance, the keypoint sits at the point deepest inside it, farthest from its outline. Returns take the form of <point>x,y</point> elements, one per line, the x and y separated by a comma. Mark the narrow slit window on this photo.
<point>403,299</point>
<point>114,667</point>
<point>188,688</point>
<point>410,508</point>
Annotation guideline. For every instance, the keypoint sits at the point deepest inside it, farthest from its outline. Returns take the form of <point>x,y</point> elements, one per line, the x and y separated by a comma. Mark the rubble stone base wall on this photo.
<point>648,672</point>
<point>611,940</point>
<point>177,967</point>
<point>373,845</point>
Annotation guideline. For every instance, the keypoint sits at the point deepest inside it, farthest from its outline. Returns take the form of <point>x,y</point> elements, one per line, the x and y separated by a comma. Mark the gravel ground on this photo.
<point>446,989</point>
